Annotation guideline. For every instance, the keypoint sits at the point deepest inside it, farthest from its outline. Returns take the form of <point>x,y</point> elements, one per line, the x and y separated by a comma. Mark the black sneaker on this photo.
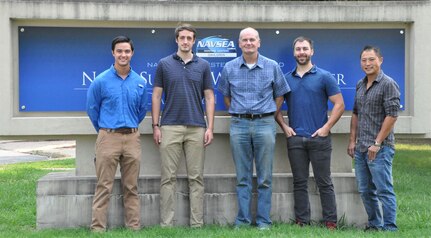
<point>300,223</point>
<point>371,229</point>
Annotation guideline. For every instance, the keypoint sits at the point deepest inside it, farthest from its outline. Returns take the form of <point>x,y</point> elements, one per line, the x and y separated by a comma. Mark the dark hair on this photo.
<point>121,39</point>
<point>373,48</point>
<point>187,27</point>
<point>301,39</point>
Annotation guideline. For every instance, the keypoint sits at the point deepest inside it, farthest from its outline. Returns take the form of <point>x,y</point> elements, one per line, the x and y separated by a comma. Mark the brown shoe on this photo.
<point>331,225</point>
<point>134,228</point>
<point>97,230</point>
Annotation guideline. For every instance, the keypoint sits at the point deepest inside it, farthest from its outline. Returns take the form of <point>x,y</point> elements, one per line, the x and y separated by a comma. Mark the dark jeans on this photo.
<point>302,151</point>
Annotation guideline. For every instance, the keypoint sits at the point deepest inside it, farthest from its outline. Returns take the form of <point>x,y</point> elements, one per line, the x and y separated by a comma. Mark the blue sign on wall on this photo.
<point>57,64</point>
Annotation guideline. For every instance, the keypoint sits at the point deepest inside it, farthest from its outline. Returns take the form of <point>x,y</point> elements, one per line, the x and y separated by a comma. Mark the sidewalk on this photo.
<point>17,151</point>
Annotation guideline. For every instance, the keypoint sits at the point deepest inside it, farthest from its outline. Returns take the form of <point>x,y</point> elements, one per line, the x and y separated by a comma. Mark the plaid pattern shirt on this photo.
<point>371,106</point>
<point>252,91</point>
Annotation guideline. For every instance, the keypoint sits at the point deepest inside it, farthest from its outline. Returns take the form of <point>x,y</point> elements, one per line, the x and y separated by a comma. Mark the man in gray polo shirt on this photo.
<point>185,80</point>
<point>375,111</point>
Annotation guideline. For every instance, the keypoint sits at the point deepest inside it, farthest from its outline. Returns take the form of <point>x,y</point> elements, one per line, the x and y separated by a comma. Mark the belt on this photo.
<point>122,130</point>
<point>252,116</point>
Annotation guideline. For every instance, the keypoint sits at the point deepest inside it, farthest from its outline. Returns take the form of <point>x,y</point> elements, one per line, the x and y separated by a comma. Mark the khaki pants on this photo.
<point>111,149</point>
<point>177,140</point>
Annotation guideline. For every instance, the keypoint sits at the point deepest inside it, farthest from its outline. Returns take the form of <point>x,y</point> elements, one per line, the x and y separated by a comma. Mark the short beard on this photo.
<point>307,60</point>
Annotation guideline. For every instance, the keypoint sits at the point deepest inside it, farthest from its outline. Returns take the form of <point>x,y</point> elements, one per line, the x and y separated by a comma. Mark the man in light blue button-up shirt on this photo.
<point>253,87</point>
<point>116,104</point>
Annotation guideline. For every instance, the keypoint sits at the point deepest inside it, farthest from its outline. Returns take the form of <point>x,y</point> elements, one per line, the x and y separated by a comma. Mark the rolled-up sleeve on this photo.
<point>391,100</point>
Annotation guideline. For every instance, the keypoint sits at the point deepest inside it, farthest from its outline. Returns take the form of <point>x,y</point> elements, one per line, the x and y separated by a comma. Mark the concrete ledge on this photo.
<point>64,200</point>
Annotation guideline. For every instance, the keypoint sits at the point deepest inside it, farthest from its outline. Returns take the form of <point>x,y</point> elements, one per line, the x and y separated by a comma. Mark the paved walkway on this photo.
<point>17,151</point>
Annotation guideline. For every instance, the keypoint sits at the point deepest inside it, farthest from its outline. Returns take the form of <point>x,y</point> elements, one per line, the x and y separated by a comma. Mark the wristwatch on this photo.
<point>377,144</point>
<point>154,125</point>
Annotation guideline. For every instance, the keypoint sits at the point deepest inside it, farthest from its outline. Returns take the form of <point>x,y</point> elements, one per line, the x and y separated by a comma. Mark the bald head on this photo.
<point>249,43</point>
<point>249,31</point>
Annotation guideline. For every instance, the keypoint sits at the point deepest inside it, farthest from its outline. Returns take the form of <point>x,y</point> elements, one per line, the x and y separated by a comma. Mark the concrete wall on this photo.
<point>413,15</point>
<point>414,121</point>
<point>64,200</point>
<point>266,14</point>
<point>218,159</point>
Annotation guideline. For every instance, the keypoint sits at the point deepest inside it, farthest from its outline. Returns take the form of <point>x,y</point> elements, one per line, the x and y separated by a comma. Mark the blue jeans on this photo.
<point>253,140</point>
<point>375,185</point>
<point>317,150</point>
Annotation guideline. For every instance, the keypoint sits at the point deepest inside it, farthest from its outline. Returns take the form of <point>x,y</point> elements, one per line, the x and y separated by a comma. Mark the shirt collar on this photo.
<point>259,62</point>
<point>113,70</point>
<point>378,79</point>
<point>313,70</point>
<point>176,57</point>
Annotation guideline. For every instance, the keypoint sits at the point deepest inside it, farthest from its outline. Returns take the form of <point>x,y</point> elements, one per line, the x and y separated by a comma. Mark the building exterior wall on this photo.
<point>413,122</point>
<point>413,15</point>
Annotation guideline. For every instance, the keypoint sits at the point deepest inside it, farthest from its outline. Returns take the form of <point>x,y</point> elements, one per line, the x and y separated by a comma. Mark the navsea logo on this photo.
<point>216,47</point>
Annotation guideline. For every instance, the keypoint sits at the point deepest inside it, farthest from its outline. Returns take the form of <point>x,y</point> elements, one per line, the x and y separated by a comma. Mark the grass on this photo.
<point>412,179</point>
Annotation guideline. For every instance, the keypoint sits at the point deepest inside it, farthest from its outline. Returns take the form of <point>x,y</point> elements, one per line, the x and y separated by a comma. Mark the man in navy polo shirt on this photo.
<point>308,133</point>
<point>253,87</point>
<point>185,80</point>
